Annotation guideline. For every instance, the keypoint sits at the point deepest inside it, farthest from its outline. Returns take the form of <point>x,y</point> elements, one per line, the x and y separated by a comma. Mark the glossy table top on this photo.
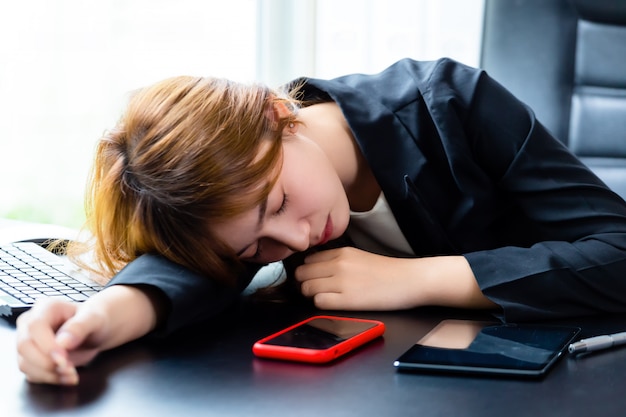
<point>204,372</point>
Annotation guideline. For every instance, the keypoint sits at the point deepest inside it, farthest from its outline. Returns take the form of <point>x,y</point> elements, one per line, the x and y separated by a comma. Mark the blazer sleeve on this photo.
<point>189,297</point>
<point>577,264</point>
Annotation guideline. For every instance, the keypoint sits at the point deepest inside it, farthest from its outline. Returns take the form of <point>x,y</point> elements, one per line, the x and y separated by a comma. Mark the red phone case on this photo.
<point>300,354</point>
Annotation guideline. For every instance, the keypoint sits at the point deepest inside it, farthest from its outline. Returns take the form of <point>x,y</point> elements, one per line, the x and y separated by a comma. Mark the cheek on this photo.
<point>321,193</point>
<point>323,196</point>
<point>341,218</point>
<point>322,181</point>
<point>313,181</point>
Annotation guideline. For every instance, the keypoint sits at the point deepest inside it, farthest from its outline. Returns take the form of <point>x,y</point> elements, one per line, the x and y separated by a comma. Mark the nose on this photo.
<point>293,235</point>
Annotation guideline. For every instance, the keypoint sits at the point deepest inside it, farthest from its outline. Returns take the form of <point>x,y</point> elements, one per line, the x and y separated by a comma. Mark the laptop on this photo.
<point>28,272</point>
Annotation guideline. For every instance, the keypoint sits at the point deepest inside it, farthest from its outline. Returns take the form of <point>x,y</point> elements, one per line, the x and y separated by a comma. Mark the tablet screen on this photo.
<point>488,348</point>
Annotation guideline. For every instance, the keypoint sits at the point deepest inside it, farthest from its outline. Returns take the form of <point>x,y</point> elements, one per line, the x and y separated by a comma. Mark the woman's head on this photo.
<point>187,152</point>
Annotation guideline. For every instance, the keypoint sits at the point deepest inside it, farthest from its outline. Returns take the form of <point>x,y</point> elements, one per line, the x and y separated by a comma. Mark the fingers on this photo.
<point>40,357</point>
<point>65,371</point>
<point>317,265</point>
<point>53,369</point>
<point>317,274</point>
<point>312,287</point>
<point>53,338</point>
<point>41,366</point>
<point>352,279</point>
<point>337,301</point>
<point>77,336</point>
<point>331,294</point>
<point>322,256</point>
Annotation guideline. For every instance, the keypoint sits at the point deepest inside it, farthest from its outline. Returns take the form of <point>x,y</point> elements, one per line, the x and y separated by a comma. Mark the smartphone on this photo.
<point>319,339</point>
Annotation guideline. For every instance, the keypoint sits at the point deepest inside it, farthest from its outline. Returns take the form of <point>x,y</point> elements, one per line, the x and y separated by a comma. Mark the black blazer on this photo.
<point>467,170</point>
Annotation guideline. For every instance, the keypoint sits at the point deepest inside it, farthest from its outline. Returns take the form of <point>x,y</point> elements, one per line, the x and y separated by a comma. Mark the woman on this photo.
<point>450,190</point>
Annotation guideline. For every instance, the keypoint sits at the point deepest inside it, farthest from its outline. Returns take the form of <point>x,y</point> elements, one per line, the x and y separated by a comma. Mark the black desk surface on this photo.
<point>200,374</point>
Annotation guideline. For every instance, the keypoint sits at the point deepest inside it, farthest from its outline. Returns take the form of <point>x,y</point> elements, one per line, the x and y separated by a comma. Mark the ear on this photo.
<point>275,111</point>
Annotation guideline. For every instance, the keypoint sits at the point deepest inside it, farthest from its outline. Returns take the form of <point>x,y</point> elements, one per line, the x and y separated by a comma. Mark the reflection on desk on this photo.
<point>202,373</point>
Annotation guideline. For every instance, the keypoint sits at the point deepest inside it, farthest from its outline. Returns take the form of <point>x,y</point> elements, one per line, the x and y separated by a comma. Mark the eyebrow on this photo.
<point>262,211</point>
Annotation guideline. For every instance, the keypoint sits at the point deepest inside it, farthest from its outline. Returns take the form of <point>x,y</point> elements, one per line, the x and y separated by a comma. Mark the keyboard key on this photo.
<point>29,278</point>
<point>78,297</point>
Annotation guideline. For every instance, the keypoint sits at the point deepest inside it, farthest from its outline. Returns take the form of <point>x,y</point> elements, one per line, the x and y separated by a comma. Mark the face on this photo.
<point>306,207</point>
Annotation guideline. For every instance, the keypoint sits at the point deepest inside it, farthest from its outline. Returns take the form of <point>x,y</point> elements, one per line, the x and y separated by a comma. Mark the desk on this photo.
<point>17,230</point>
<point>202,375</point>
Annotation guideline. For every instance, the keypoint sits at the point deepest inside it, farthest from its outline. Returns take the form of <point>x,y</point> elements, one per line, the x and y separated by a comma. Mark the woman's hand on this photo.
<point>353,279</point>
<point>55,337</point>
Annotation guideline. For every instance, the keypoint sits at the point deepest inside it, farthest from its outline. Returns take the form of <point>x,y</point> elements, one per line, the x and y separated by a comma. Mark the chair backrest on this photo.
<point>567,60</point>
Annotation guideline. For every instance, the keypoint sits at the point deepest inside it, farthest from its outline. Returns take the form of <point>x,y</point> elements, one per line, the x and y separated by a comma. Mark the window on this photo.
<point>369,35</point>
<point>329,38</point>
<point>67,66</point>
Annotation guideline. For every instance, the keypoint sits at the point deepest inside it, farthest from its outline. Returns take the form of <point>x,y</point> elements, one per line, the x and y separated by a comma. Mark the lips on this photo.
<point>328,231</point>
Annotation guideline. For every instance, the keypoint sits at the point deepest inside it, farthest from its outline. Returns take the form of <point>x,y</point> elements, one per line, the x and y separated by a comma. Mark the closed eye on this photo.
<point>259,247</point>
<point>283,205</point>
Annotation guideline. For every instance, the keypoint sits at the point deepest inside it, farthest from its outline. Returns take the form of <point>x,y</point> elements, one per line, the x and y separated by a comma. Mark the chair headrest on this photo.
<point>602,11</point>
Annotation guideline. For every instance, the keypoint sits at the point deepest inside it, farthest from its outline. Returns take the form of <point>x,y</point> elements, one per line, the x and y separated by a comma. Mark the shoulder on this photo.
<point>443,69</point>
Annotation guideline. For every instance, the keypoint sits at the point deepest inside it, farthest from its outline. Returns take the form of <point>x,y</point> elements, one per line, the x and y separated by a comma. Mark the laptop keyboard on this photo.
<point>29,272</point>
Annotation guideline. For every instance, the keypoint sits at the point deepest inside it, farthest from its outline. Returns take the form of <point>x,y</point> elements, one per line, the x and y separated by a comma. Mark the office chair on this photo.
<point>566,59</point>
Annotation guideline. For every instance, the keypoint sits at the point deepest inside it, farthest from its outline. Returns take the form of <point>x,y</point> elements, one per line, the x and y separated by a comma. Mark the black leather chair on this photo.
<point>567,60</point>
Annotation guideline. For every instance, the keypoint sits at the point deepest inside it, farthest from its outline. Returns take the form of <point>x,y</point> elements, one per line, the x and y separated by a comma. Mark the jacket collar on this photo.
<point>391,149</point>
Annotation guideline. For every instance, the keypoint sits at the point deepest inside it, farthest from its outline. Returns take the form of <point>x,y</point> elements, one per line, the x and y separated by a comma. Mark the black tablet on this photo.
<point>477,347</point>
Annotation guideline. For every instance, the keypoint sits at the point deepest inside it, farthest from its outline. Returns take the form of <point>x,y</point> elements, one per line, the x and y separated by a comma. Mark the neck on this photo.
<point>325,124</point>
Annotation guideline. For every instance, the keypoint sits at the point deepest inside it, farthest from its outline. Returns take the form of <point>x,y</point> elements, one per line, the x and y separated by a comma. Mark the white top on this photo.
<point>378,232</point>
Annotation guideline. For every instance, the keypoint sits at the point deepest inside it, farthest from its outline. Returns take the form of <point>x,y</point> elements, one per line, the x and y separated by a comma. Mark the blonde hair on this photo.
<point>185,153</point>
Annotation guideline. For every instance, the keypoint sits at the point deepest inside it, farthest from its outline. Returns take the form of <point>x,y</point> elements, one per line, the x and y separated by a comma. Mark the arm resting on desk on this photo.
<point>55,336</point>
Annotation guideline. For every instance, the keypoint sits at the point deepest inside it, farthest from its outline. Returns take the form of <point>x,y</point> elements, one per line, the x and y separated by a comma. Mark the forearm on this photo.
<point>129,313</point>
<point>447,281</point>
<point>353,279</point>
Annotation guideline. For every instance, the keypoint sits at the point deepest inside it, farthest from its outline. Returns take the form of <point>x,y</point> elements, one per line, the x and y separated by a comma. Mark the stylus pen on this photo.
<point>598,343</point>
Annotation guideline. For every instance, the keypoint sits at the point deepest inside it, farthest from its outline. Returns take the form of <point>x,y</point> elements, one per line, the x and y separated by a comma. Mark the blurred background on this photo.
<point>67,67</point>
